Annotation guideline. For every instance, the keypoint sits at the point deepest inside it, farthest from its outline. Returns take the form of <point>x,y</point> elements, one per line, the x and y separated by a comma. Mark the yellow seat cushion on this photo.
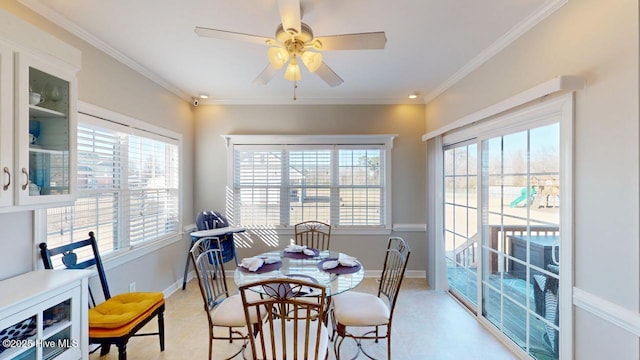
<point>123,310</point>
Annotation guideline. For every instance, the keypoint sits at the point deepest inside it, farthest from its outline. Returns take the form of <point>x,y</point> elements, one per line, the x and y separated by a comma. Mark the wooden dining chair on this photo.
<point>354,309</point>
<point>292,326</point>
<point>313,234</point>
<point>118,318</point>
<point>223,309</point>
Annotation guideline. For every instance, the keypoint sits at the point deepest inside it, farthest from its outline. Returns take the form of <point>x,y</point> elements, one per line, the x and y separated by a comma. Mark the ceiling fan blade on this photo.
<point>372,40</point>
<point>230,35</point>
<point>328,75</point>
<point>290,14</point>
<point>266,75</point>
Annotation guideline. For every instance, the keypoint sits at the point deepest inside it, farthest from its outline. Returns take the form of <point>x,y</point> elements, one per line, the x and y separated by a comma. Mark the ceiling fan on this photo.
<point>294,41</point>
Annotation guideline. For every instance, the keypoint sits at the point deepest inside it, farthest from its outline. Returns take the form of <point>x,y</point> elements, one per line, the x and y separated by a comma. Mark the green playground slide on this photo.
<point>524,195</point>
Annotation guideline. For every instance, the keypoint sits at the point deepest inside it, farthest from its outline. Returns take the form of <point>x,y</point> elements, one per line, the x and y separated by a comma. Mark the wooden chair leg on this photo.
<point>104,349</point>
<point>122,351</point>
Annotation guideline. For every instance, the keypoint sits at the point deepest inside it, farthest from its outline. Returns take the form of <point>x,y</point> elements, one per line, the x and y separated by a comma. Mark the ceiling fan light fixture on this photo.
<point>316,44</point>
<point>312,60</point>
<point>278,56</point>
<point>293,71</point>
<point>305,34</point>
<point>294,39</point>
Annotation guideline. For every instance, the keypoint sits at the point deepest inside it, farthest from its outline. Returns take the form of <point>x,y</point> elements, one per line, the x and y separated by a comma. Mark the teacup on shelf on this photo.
<point>33,189</point>
<point>35,98</point>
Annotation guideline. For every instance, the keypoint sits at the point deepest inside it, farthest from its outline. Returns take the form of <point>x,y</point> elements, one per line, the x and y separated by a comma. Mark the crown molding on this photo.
<point>74,29</point>
<point>521,28</point>
<point>505,40</point>
<point>311,101</point>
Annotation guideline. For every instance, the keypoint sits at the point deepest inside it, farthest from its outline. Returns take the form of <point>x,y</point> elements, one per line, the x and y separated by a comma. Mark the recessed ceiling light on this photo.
<point>413,96</point>
<point>204,96</point>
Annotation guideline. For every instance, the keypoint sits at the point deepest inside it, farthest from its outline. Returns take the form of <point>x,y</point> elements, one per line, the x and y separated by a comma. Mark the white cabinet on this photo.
<point>45,131</point>
<point>43,315</point>
<point>38,96</point>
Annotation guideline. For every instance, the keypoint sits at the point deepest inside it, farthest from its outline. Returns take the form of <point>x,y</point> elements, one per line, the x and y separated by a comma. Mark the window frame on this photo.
<point>116,121</point>
<point>384,141</point>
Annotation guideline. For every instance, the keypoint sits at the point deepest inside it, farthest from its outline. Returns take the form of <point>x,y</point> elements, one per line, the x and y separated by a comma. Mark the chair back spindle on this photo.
<point>395,265</point>
<point>292,326</point>
<point>313,234</point>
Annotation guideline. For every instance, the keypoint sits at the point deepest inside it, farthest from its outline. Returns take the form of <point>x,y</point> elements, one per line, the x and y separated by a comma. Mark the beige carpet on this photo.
<point>427,325</point>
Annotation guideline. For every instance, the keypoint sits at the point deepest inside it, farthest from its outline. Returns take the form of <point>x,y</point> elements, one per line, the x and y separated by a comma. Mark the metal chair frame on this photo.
<point>283,307</point>
<point>313,234</point>
<point>395,264</point>
<point>206,220</point>
<point>212,283</point>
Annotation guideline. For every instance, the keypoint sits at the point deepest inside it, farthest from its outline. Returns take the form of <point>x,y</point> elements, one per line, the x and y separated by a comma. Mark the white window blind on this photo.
<point>343,185</point>
<point>127,189</point>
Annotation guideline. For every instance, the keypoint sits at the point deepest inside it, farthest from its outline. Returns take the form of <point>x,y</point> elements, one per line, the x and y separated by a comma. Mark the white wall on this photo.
<point>106,83</point>
<point>408,177</point>
<point>599,41</point>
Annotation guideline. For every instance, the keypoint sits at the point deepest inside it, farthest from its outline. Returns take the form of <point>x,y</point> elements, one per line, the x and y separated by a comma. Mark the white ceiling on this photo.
<point>430,44</point>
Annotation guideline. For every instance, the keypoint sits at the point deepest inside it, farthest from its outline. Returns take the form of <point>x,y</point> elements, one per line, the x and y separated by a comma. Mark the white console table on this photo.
<point>43,315</point>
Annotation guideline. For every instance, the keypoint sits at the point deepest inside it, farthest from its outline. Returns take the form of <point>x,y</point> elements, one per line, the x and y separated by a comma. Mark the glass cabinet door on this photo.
<point>46,132</point>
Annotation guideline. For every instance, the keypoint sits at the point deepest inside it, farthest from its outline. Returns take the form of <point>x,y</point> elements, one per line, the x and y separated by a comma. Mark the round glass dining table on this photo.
<point>303,267</point>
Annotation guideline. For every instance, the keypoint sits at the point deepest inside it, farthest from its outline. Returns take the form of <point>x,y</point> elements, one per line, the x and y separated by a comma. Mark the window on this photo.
<point>343,184</point>
<point>127,188</point>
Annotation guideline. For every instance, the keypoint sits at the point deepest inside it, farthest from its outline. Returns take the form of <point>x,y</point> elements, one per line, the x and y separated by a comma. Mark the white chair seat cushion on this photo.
<point>230,312</point>
<point>277,327</point>
<point>354,308</point>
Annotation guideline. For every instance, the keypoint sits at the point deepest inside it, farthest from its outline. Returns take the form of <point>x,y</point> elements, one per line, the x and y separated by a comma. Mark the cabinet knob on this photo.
<point>6,186</point>
<point>26,183</point>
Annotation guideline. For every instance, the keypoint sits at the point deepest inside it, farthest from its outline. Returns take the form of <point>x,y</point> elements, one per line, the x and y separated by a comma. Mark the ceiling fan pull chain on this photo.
<point>295,86</point>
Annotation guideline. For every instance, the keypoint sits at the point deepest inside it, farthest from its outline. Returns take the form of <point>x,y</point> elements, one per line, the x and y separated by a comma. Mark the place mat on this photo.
<point>263,269</point>
<point>300,255</point>
<point>339,269</point>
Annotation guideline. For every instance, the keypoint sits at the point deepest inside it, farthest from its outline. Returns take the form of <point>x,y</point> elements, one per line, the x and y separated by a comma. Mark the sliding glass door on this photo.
<point>461,219</point>
<point>504,199</point>
<point>520,175</point>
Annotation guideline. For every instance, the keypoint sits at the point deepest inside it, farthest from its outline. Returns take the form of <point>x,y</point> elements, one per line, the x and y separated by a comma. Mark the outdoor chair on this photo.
<point>117,318</point>
<point>545,294</point>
